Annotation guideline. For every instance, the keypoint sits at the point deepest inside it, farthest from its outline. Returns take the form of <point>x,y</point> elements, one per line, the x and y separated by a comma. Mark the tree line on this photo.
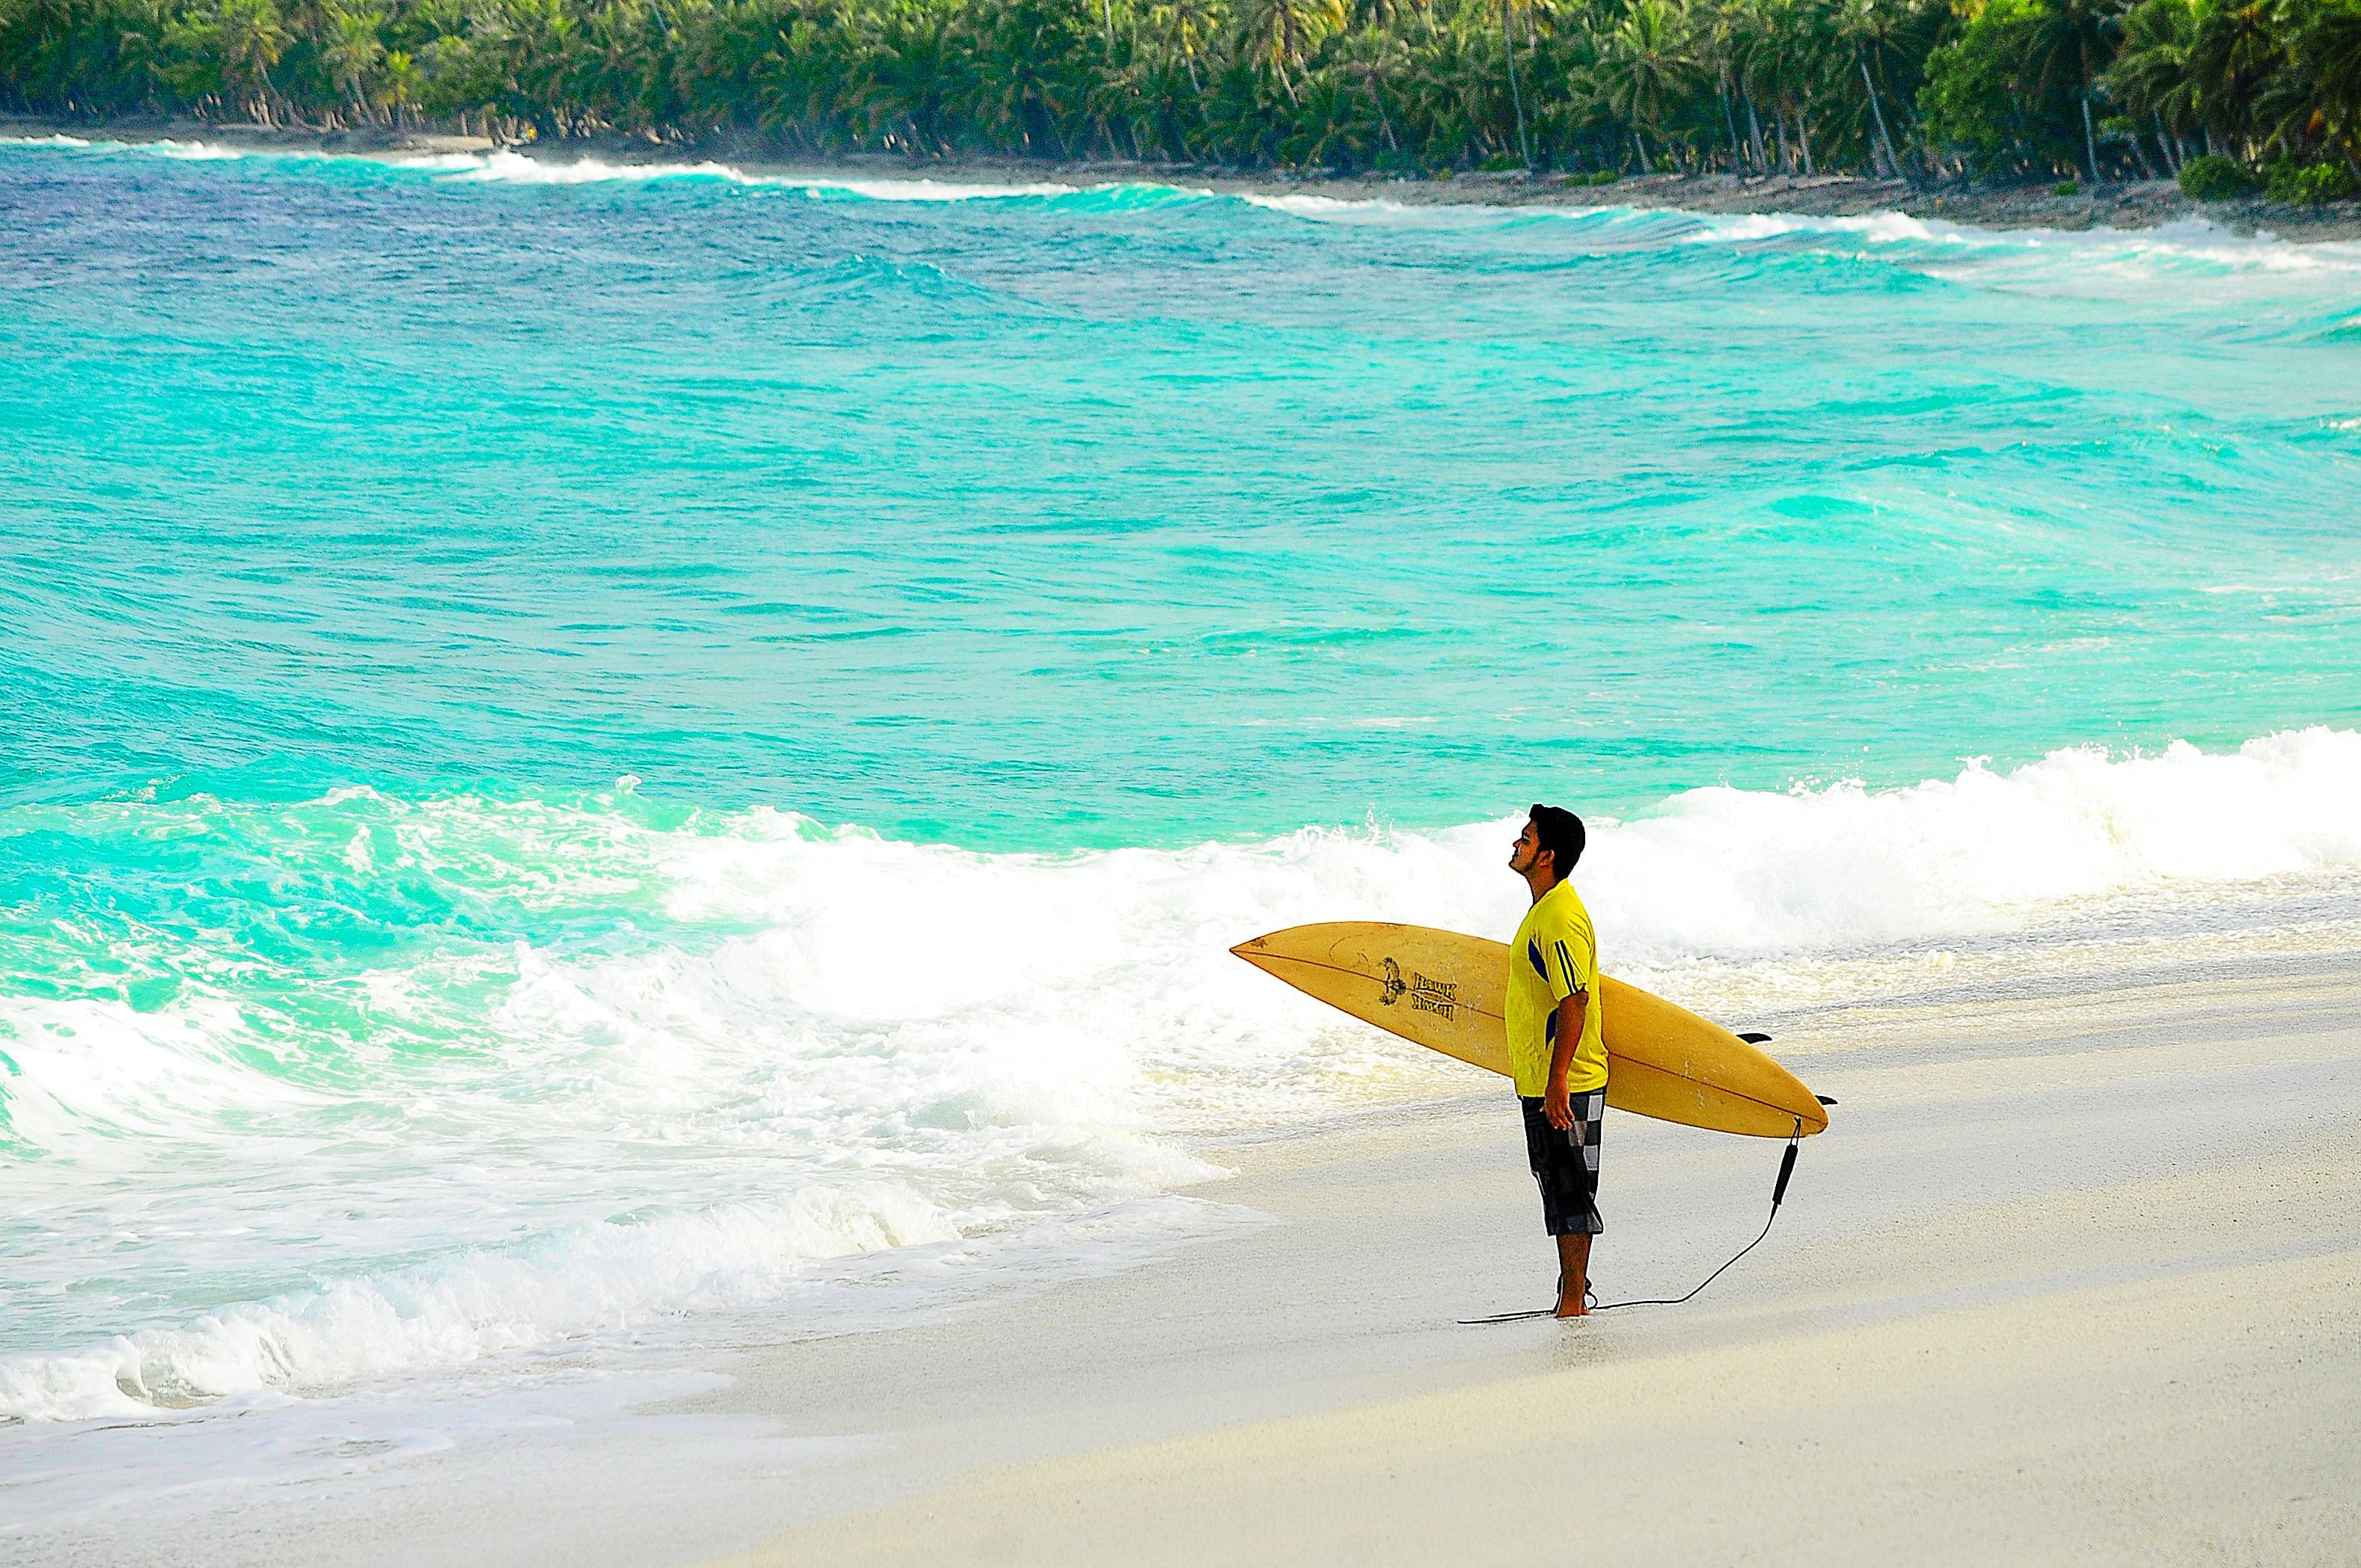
<point>2221,92</point>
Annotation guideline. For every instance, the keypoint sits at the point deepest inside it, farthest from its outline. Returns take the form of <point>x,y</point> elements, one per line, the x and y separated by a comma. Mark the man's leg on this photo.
<point>1573,1276</point>
<point>1579,1205</point>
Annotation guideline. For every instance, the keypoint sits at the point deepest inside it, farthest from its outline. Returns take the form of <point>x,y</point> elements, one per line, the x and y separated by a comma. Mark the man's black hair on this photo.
<point>1560,832</point>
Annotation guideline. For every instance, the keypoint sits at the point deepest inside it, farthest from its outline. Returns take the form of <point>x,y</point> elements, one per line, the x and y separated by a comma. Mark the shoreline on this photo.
<point>2070,1278</point>
<point>2126,207</point>
<point>2020,1308</point>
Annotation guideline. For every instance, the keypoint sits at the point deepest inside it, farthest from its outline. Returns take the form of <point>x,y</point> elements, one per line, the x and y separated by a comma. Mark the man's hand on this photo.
<point>1569,1033</point>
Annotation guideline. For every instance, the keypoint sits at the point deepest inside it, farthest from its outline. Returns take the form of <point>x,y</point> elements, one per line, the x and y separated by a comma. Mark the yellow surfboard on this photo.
<point>1444,991</point>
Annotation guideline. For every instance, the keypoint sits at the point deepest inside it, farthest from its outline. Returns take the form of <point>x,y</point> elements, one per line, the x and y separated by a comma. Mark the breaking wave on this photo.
<point>645,1064</point>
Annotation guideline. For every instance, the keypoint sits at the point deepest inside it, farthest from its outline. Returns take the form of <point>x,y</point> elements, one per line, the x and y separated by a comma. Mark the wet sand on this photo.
<point>2069,1279</point>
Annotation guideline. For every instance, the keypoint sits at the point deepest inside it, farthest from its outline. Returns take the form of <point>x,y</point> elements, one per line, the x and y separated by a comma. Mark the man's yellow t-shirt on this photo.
<point>1555,956</point>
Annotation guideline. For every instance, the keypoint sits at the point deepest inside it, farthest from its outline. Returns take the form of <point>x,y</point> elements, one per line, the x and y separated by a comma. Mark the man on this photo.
<point>1556,1048</point>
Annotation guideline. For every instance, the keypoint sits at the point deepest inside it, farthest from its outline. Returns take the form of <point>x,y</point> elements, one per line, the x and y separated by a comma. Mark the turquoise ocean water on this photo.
<point>592,748</point>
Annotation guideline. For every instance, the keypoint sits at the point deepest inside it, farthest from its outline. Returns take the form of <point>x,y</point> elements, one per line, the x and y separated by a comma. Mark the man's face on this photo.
<point>1524,851</point>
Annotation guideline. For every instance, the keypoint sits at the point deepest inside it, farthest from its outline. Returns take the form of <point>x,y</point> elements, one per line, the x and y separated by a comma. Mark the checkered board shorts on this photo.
<point>1566,1167</point>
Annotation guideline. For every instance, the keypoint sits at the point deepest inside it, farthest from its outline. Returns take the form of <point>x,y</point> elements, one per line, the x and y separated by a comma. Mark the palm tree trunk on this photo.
<point>1804,143</point>
<point>1729,120</point>
<point>2090,137</point>
<point>2140,152</point>
<point>1516,95</point>
<point>1893,164</point>
<point>1754,129</point>
<point>1385,121</point>
<point>2165,144</point>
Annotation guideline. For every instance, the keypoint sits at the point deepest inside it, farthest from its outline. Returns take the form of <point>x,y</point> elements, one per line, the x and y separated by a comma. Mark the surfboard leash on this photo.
<point>1778,1196</point>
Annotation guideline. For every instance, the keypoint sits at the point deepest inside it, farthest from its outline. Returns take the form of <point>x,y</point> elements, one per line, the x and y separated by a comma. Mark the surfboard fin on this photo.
<point>1755,1037</point>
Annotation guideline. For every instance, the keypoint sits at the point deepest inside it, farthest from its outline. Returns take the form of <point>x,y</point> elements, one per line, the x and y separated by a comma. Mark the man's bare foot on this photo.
<point>1572,1310</point>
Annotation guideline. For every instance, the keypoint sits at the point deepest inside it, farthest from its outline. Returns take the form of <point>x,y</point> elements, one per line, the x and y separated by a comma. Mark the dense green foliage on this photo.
<point>2301,184</point>
<point>2032,88</point>
<point>2213,178</point>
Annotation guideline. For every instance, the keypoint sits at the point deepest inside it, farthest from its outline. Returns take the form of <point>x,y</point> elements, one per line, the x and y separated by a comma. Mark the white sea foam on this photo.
<point>1875,227</point>
<point>160,146</point>
<point>2036,255</point>
<point>828,1044</point>
<point>97,1075</point>
<point>607,1279</point>
<point>2100,252</point>
<point>1728,873</point>
<point>1890,235</point>
<point>507,166</point>
<point>1304,206</point>
<point>940,190</point>
<point>192,151</point>
<point>571,1283</point>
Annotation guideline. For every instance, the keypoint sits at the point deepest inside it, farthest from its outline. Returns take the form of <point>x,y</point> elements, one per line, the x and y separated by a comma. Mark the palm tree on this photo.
<point>1716,49</point>
<point>401,83</point>
<point>1516,92</point>
<point>2235,51</point>
<point>1023,83</point>
<point>1333,120</point>
<point>1281,32</point>
<point>917,71</point>
<point>140,55</point>
<point>352,52</point>
<point>2327,54</point>
<point>1168,99</point>
<point>1646,66</point>
<point>1453,93</point>
<point>2072,42</point>
<point>2150,77</point>
<point>1370,57</point>
<point>250,42</point>
<point>1186,25</point>
<point>1779,60</point>
<point>1877,34</point>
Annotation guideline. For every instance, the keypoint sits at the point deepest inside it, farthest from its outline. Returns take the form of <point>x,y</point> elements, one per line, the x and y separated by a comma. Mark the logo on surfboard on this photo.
<point>1440,997</point>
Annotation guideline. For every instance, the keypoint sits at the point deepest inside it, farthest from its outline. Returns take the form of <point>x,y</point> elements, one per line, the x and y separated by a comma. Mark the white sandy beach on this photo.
<point>2066,1282</point>
<point>2071,1279</point>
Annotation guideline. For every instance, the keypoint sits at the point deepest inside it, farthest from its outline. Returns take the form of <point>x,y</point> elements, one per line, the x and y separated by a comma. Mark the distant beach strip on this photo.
<point>2221,98</point>
<point>2129,205</point>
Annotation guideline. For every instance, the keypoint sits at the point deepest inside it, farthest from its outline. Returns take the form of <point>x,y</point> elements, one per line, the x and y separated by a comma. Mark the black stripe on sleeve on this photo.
<point>1573,986</point>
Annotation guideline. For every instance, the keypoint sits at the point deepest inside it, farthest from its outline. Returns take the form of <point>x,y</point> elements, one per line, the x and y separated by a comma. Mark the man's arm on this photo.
<point>1570,1013</point>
